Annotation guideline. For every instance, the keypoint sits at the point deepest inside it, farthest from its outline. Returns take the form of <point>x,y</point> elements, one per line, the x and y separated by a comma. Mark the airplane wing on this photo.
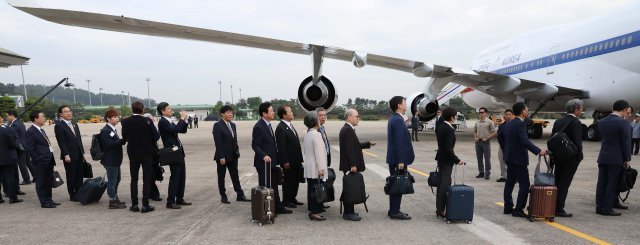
<point>491,83</point>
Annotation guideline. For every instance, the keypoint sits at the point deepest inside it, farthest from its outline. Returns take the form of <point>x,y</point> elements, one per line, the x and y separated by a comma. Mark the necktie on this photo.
<point>230,129</point>
<point>45,136</point>
<point>273,135</point>
<point>71,127</point>
<point>294,131</point>
<point>324,138</point>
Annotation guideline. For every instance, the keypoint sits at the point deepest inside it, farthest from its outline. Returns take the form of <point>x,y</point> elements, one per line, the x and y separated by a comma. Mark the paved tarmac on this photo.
<point>208,221</point>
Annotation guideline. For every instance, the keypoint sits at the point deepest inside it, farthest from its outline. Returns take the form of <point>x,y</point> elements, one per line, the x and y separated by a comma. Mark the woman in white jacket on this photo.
<point>315,164</point>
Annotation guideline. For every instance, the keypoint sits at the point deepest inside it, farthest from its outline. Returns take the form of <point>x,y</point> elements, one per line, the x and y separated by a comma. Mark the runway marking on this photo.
<point>378,170</point>
<point>569,230</point>
<point>418,172</point>
<point>369,153</point>
<point>491,232</point>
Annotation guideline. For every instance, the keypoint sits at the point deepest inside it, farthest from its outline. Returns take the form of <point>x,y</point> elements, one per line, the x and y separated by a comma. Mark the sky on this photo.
<point>187,72</point>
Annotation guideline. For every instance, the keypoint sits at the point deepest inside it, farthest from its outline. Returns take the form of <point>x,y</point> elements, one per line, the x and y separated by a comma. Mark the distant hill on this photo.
<point>64,95</point>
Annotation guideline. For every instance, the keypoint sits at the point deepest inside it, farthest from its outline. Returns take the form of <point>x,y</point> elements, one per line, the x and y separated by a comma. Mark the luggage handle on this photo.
<point>549,168</point>
<point>455,170</point>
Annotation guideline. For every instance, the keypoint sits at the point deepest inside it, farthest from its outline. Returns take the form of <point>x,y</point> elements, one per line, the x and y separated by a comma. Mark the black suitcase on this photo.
<point>91,190</point>
<point>460,202</point>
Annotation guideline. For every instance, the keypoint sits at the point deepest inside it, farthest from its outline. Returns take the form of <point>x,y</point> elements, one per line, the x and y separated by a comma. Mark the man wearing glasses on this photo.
<point>483,131</point>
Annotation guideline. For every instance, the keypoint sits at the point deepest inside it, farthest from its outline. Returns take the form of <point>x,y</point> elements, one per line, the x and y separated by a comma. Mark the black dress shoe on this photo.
<point>507,211</point>
<point>352,217</point>
<point>225,200</point>
<point>481,175</point>
<point>25,182</point>
<point>296,202</point>
<point>283,211</point>
<point>56,203</point>
<point>289,205</point>
<point>440,214</point>
<point>243,199</point>
<point>563,213</point>
<point>519,213</point>
<point>400,216</point>
<point>73,199</point>
<point>173,206</point>
<point>183,203</point>
<point>134,208</point>
<point>21,193</point>
<point>501,180</point>
<point>156,199</point>
<point>48,205</point>
<point>325,206</point>
<point>12,201</point>
<point>316,217</point>
<point>146,209</point>
<point>2,201</point>
<point>486,177</point>
<point>610,213</point>
<point>620,206</point>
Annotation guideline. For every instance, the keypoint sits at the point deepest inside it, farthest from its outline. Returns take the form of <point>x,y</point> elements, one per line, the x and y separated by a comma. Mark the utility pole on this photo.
<point>240,93</point>
<point>101,103</point>
<point>24,85</point>
<point>231,94</point>
<point>129,96</point>
<point>122,93</point>
<point>220,82</point>
<point>148,93</point>
<point>74,93</point>
<point>89,88</point>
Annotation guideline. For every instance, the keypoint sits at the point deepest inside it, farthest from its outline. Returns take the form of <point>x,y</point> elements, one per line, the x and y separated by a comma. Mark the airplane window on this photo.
<point>611,44</point>
<point>600,48</point>
<point>629,39</point>
<point>606,45</point>
<point>623,42</point>
<point>590,49</point>
<point>562,57</point>
<point>617,42</point>
<point>581,51</point>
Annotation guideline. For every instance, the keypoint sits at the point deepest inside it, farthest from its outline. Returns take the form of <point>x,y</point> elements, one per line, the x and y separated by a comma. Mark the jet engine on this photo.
<point>312,96</point>
<point>419,103</point>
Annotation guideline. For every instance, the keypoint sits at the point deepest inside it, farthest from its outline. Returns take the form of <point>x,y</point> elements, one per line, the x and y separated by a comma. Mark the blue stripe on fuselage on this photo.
<point>610,45</point>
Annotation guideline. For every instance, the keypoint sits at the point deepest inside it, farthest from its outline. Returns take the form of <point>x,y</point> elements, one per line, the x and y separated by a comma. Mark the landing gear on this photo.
<point>592,132</point>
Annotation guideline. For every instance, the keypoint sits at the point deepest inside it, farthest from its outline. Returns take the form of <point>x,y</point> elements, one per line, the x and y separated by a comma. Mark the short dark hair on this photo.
<point>508,110</point>
<point>12,113</point>
<point>394,102</point>
<point>137,107</point>
<point>311,119</point>
<point>34,114</point>
<point>282,110</point>
<point>62,107</point>
<point>449,112</point>
<point>161,107</point>
<point>620,105</point>
<point>264,108</point>
<point>482,109</point>
<point>110,113</point>
<point>225,108</point>
<point>518,108</point>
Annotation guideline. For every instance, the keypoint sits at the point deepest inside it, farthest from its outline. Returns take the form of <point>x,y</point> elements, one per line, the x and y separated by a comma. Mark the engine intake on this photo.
<point>426,109</point>
<point>312,96</point>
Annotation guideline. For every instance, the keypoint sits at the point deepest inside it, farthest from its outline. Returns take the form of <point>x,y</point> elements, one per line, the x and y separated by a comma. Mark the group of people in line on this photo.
<point>279,154</point>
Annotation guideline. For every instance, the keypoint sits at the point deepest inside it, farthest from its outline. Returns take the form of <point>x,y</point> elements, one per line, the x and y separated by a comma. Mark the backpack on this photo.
<point>96,148</point>
<point>561,146</point>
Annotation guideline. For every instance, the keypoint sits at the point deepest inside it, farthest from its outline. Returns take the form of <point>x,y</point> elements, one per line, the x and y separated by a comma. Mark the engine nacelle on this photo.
<point>419,103</point>
<point>312,96</point>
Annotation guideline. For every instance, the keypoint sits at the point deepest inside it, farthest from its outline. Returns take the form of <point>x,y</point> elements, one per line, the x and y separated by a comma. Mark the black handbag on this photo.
<point>170,155</point>
<point>434,179</point>
<point>399,184</point>
<point>319,193</point>
<point>57,180</point>
<point>546,178</point>
<point>159,173</point>
<point>331,176</point>
<point>627,180</point>
<point>87,169</point>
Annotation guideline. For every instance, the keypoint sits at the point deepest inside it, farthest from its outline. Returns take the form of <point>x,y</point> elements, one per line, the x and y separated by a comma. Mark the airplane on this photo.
<point>596,60</point>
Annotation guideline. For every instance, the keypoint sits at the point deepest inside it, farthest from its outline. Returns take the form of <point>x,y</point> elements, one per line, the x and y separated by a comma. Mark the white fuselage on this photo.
<point>599,55</point>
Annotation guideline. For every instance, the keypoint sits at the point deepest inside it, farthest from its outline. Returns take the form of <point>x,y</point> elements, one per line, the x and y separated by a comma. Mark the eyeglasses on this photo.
<point>482,112</point>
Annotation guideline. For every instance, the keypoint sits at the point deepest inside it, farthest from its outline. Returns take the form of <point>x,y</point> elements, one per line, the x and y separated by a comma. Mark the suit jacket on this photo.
<point>446,137</point>
<point>141,136</point>
<point>501,139</point>
<point>8,147</point>
<point>516,143</point>
<point>615,148</point>
<point>414,122</point>
<point>111,146</point>
<point>20,130</point>
<point>70,142</point>
<point>263,143</point>
<point>169,132</point>
<point>399,147</point>
<point>351,149</point>
<point>573,131</point>
<point>289,150</point>
<point>226,143</point>
<point>37,147</point>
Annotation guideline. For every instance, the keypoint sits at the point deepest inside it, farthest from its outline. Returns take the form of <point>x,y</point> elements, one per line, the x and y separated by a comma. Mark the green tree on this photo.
<point>125,111</point>
<point>254,102</point>
<point>6,103</point>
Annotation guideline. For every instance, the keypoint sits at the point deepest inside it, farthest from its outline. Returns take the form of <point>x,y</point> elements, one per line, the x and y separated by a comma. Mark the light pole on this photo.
<point>148,92</point>
<point>122,93</point>
<point>220,82</point>
<point>231,93</point>
<point>23,84</point>
<point>129,97</point>
<point>240,93</point>
<point>89,88</point>
<point>43,90</point>
<point>74,93</point>
<point>101,103</point>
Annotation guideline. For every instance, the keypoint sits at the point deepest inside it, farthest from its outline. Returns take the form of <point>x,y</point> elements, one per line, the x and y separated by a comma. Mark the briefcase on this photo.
<point>170,155</point>
<point>319,193</point>
<point>399,184</point>
<point>91,190</point>
<point>57,180</point>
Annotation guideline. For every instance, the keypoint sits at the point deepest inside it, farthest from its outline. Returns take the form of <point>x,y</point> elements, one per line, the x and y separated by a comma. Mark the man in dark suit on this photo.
<point>227,153</point>
<point>565,169</point>
<point>516,144</point>
<point>399,151</point>
<point>169,134</point>
<point>265,160</point>
<point>17,125</point>
<point>415,122</point>
<point>111,145</point>
<point>507,116</point>
<point>8,162</point>
<point>614,157</point>
<point>322,117</point>
<point>351,159</point>
<point>71,150</point>
<point>141,136</point>
<point>289,156</point>
<point>38,146</point>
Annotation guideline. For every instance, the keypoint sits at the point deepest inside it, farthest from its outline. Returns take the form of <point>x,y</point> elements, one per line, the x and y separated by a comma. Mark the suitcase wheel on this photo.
<point>260,224</point>
<point>552,219</point>
<point>468,221</point>
<point>448,221</point>
<point>531,219</point>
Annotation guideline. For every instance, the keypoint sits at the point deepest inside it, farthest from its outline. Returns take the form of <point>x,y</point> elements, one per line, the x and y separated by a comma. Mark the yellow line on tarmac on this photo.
<point>569,230</point>
<point>369,153</point>
<point>418,172</point>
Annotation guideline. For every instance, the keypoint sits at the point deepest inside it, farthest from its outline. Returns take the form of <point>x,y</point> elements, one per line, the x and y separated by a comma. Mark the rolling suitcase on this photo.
<point>459,201</point>
<point>263,203</point>
<point>542,202</point>
<point>91,190</point>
